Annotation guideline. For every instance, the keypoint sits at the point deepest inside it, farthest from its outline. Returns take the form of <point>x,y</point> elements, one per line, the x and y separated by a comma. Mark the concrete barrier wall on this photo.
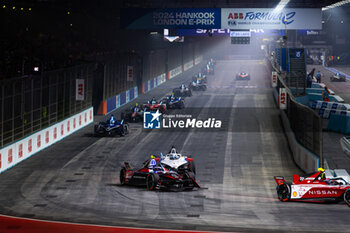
<point>23,149</point>
<point>305,159</point>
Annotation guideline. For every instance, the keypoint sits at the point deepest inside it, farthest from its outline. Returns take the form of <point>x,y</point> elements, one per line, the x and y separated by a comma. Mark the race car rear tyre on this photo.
<point>152,181</point>
<point>347,197</point>
<point>192,167</point>
<point>122,176</point>
<point>283,192</point>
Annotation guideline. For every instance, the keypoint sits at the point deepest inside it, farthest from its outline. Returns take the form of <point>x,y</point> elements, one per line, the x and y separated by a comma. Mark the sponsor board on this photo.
<point>26,147</point>
<point>224,18</point>
<point>282,98</point>
<point>267,18</point>
<point>274,78</point>
<point>175,72</point>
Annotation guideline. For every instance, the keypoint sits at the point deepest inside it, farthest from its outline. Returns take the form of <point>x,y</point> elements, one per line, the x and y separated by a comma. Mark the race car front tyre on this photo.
<point>152,181</point>
<point>347,197</point>
<point>283,192</point>
<point>122,176</point>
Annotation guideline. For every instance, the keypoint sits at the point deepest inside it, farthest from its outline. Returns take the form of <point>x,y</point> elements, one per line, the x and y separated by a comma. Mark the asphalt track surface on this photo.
<point>77,179</point>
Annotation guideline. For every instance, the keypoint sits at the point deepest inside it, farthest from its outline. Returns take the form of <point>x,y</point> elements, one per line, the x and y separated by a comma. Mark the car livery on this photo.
<point>178,162</point>
<point>242,76</point>
<point>314,188</point>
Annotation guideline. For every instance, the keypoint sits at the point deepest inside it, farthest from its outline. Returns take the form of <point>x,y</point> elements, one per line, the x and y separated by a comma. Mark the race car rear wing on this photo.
<point>279,179</point>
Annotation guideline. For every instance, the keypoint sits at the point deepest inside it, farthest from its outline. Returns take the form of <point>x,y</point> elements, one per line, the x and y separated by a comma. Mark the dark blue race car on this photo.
<point>173,102</point>
<point>105,128</point>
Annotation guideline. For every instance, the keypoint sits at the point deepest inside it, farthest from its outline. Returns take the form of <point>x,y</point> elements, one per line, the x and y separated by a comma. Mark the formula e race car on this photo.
<point>154,105</point>
<point>182,91</point>
<point>174,161</point>
<point>200,78</point>
<point>157,177</point>
<point>195,86</point>
<point>173,102</point>
<point>315,188</point>
<point>135,114</point>
<point>242,76</point>
<point>337,77</point>
<point>107,129</point>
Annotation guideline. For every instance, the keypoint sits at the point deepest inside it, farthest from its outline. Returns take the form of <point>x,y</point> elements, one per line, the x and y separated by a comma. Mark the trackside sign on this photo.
<point>224,18</point>
<point>267,18</point>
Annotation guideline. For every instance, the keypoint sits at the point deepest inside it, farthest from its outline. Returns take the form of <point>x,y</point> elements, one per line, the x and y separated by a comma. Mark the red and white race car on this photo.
<point>315,188</point>
<point>154,105</point>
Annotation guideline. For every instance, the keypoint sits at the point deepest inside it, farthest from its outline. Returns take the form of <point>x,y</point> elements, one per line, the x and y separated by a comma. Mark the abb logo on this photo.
<point>9,156</point>
<point>62,130</point>
<point>0,161</point>
<point>47,137</point>
<point>80,120</point>
<point>90,114</point>
<point>80,89</point>
<point>30,147</point>
<point>235,16</point>
<point>85,117</point>
<point>20,151</point>
<point>283,98</point>
<point>74,123</point>
<point>68,126</point>
<point>55,133</point>
<point>38,141</point>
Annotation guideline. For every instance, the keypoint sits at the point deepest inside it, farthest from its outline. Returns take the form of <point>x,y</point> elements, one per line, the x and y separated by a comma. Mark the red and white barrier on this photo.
<point>304,158</point>
<point>22,149</point>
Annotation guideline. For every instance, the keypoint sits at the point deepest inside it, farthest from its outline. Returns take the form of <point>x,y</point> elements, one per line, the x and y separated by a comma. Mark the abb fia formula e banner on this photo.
<point>23,149</point>
<point>267,18</point>
<point>225,18</point>
<point>274,78</point>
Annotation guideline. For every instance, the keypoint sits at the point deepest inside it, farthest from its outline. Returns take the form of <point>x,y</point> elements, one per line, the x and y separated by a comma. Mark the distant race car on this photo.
<point>173,102</point>
<point>157,177</point>
<point>337,77</point>
<point>314,188</point>
<point>200,77</point>
<point>135,114</point>
<point>242,76</point>
<point>182,92</point>
<point>106,129</point>
<point>154,106</point>
<point>198,87</point>
<point>178,162</point>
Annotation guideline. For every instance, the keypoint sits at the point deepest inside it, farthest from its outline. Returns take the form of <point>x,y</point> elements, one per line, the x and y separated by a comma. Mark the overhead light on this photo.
<point>280,5</point>
<point>153,33</point>
<point>337,4</point>
<point>4,6</point>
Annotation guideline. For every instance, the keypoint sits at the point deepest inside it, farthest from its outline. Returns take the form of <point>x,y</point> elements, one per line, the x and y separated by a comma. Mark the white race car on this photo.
<point>178,162</point>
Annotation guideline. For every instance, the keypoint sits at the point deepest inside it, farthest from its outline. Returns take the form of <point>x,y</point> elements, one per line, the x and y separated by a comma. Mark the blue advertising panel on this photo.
<point>133,18</point>
<point>226,32</point>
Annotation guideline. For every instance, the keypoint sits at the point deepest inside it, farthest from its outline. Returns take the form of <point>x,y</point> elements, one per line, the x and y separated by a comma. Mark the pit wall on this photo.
<point>26,147</point>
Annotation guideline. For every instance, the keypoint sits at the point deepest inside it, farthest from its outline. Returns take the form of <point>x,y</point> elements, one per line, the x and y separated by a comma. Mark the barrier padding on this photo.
<point>115,102</point>
<point>331,105</point>
<point>30,145</point>
<point>339,123</point>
